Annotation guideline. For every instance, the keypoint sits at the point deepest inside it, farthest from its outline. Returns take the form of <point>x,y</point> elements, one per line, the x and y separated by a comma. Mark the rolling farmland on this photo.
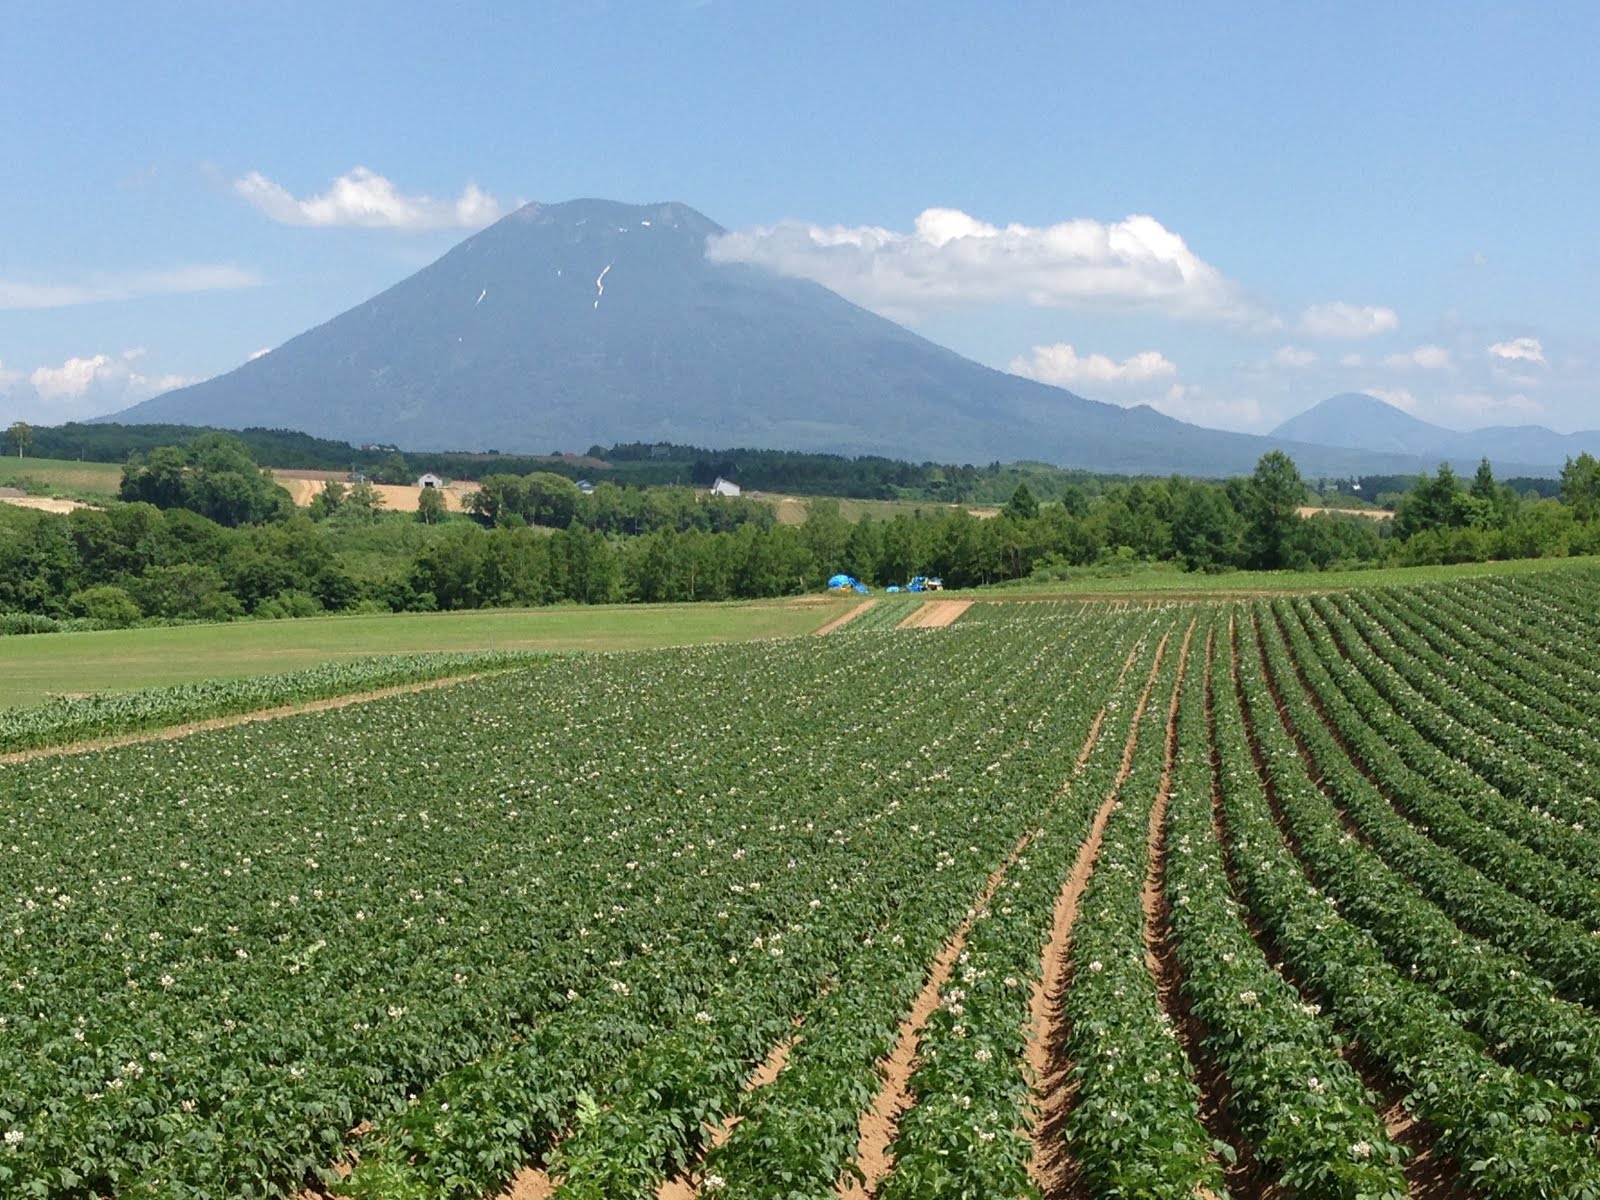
<point>1287,896</point>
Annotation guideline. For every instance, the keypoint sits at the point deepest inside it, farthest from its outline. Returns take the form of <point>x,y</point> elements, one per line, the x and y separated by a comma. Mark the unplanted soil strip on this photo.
<point>170,732</point>
<point>935,614</point>
<point>1052,1168</point>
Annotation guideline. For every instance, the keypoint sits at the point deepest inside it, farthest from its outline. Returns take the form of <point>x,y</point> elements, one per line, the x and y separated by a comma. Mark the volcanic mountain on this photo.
<point>593,322</point>
<point>1362,422</point>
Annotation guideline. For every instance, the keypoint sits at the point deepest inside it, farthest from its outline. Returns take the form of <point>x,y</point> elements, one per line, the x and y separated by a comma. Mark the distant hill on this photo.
<point>1361,422</point>
<point>567,325</point>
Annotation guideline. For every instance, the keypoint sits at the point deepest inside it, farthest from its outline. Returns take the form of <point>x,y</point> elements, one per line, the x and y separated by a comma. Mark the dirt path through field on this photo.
<point>844,618</point>
<point>170,732</point>
<point>935,614</point>
<point>1052,1168</point>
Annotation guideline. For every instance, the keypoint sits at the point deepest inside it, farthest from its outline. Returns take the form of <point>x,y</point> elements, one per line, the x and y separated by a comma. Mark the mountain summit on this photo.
<point>567,325</point>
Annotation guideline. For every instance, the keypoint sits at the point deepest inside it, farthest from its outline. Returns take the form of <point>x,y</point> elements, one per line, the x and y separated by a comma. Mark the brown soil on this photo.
<point>530,1183</point>
<point>935,614</point>
<point>1052,1168</point>
<point>844,618</point>
<point>881,1121</point>
<point>262,714</point>
<point>683,1187</point>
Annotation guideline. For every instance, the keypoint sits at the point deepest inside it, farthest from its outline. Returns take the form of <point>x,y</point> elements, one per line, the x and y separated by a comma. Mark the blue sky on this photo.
<point>1228,211</point>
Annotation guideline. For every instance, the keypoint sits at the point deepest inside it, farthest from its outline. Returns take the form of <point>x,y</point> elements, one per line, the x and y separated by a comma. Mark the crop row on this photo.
<point>1511,1133</point>
<point>884,613</point>
<point>65,720</point>
<point>1304,1111</point>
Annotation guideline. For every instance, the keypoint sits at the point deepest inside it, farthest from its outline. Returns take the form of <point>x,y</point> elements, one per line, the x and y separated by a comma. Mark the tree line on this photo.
<point>203,533</point>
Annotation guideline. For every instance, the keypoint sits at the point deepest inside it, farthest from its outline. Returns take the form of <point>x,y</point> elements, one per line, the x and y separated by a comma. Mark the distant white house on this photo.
<point>723,488</point>
<point>586,487</point>
<point>429,480</point>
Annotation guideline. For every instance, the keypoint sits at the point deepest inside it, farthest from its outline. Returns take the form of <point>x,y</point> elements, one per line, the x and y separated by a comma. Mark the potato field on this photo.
<point>1264,898</point>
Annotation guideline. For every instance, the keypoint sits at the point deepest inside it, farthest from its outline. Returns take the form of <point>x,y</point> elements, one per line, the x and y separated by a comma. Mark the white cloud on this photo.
<point>952,260</point>
<point>255,354</point>
<point>1525,349</point>
<point>1061,364</point>
<point>1350,360</point>
<point>127,286</point>
<point>365,199</point>
<point>1399,397</point>
<point>1295,357</point>
<point>1338,319</point>
<point>81,387</point>
<point>1426,358</point>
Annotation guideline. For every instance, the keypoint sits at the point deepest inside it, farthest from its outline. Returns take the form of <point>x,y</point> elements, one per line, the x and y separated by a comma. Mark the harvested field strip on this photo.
<point>936,614</point>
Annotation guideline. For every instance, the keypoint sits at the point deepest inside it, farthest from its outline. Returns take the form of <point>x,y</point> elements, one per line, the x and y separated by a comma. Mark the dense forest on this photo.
<point>201,532</point>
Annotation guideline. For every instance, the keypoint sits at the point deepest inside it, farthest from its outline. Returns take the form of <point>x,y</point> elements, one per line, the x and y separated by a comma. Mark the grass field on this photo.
<point>33,668</point>
<point>85,479</point>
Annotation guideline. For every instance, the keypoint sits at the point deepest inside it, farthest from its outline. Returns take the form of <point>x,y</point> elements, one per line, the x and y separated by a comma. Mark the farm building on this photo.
<point>723,488</point>
<point>429,480</point>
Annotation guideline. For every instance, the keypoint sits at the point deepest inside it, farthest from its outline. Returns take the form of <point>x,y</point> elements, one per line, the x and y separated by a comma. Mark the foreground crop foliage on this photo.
<point>558,914</point>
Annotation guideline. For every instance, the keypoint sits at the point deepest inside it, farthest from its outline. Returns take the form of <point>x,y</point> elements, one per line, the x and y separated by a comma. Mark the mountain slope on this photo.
<point>566,325</point>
